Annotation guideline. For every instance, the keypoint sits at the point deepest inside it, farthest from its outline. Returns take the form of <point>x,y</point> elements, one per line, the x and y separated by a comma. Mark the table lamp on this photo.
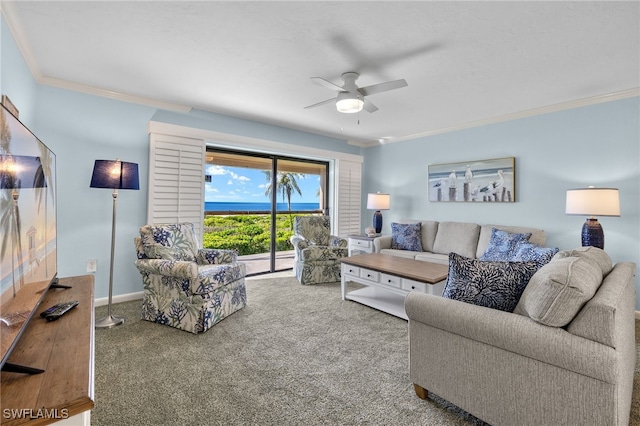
<point>377,201</point>
<point>593,202</point>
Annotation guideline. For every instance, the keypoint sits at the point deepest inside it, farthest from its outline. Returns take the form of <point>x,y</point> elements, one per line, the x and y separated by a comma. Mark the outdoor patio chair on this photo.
<point>185,286</point>
<point>317,252</point>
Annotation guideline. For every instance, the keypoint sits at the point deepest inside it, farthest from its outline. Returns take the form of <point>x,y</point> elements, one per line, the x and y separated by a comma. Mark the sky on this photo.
<point>244,185</point>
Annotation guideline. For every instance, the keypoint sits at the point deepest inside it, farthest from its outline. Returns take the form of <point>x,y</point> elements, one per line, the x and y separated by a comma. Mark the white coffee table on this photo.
<point>388,280</point>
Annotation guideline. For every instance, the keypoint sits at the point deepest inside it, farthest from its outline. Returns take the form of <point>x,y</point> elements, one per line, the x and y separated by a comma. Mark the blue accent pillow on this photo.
<point>502,245</point>
<point>406,236</point>
<point>496,285</point>
<point>526,251</point>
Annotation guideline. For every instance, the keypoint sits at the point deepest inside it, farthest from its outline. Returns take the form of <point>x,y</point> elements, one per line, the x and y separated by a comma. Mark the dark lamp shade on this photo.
<point>115,175</point>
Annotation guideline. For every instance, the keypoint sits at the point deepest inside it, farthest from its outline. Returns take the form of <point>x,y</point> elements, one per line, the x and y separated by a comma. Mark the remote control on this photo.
<point>56,311</point>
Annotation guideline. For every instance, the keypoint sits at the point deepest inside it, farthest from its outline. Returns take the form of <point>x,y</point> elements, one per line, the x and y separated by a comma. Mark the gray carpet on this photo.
<point>295,355</point>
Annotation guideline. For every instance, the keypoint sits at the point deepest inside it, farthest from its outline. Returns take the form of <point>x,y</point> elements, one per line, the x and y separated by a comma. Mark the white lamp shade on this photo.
<point>349,104</point>
<point>593,202</point>
<point>378,201</point>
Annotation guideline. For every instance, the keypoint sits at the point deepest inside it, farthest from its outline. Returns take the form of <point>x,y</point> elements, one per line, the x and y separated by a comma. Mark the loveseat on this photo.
<point>564,356</point>
<point>438,239</point>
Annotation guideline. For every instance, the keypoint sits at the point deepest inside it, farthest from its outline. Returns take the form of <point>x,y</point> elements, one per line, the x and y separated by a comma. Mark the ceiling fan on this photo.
<point>352,98</point>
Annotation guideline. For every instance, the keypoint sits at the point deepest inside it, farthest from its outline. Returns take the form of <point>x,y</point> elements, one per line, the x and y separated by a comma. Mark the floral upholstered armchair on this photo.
<point>317,252</point>
<point>187,287</point>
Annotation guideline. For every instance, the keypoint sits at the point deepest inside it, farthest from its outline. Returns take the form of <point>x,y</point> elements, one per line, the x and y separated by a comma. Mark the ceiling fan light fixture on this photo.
<point>349,104</point>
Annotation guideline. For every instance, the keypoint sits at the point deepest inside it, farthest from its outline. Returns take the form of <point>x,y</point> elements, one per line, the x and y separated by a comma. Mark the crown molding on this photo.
<point>7,9</point>
<point>91,90</point>
<point>592,100</point>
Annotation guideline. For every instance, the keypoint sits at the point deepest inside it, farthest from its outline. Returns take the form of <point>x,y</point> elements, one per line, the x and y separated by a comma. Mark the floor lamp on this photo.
<point>113,175</point>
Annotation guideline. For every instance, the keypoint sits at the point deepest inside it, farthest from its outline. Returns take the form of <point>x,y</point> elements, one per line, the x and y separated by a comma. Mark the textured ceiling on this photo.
<point>464,62</point>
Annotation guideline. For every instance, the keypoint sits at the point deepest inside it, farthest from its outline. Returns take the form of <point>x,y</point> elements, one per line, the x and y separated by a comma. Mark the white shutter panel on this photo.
<point>176,181</point>
<point>349,192</point>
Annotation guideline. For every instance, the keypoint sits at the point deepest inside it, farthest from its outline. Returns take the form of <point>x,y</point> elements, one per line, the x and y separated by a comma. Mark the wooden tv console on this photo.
<point>64,349</point>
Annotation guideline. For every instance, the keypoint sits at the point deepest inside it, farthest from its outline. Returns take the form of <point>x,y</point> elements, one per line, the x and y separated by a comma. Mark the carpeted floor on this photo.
<point>295,355</point>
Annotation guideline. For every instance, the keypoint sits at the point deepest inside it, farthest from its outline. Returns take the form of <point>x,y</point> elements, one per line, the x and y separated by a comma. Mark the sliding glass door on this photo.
<point>251,200</point>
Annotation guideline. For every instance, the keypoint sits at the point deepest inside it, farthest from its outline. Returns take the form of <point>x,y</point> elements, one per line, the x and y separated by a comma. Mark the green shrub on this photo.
<point>247,234</point>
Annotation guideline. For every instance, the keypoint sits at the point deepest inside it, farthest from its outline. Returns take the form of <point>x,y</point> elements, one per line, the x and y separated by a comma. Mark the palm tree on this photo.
<point>286,183</point>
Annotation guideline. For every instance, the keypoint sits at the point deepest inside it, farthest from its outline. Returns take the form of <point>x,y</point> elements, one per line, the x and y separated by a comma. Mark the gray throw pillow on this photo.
<point>593,254</point>
<point>496,285</point>
<point>557,292</point>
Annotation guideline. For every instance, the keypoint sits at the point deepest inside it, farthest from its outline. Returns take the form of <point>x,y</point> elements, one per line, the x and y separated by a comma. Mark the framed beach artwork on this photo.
<point>480,181</point>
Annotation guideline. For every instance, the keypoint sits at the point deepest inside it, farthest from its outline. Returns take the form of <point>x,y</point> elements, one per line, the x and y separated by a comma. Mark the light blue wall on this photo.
<point>81,128</point>
<point>594,145</point>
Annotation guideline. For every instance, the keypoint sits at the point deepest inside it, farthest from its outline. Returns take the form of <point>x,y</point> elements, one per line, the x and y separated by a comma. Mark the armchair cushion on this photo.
<point>315,229</point>
<point>167,267</point>
<point>176,241</point>
<point>215,256</point>
<point>496,285</point>
<point>323,253</point>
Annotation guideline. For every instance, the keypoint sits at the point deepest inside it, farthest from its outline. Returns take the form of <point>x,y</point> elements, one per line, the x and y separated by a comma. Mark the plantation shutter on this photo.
<point>349,193</point>
<point>176,181</point>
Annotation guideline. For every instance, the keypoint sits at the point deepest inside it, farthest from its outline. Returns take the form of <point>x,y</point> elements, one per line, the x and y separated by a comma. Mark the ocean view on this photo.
<point>251,207</point>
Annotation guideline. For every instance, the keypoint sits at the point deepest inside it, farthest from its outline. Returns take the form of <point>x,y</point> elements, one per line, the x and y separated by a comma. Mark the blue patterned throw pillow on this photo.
<point>526,251</point>
<point>502,245</point>
<point>406,236</point>
<point>496,285</point>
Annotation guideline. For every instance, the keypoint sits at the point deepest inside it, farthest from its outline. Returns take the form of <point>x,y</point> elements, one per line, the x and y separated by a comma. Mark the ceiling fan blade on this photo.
<point>321,103</point>
<point>329,85</point>
<point>382,87</point>
<point>369,106</point>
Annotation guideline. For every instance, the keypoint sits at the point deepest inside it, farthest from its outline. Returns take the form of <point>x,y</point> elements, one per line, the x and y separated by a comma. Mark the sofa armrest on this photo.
<point>380,243</point>
<point>171,268</point>
<point>513,333</point>
<point>216,256</point>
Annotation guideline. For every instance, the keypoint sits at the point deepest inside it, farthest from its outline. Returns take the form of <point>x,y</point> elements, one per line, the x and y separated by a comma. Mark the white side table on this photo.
<point>360,244</point>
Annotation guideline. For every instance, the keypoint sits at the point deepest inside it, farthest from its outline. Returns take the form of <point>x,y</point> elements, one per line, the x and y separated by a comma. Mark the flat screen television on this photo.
<point>28,241</point>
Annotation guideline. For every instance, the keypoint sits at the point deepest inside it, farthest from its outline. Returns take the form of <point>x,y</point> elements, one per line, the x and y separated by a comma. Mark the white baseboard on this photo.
<point>125,298</point>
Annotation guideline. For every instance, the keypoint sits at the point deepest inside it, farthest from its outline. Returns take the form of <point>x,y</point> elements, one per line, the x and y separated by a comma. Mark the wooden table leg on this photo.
<point>420,391</point>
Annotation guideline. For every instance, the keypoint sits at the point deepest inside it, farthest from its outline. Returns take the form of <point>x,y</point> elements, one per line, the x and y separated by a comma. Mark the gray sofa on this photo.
<point>566,356</point>
<point>441,238</point>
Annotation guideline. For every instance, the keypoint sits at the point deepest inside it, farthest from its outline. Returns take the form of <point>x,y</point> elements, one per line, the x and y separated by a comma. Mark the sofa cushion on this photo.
<point>559,289</point>
<point>457,237</point>
<point>496,285</point>
<point>593,254</point>
<point>442,259</point>
<point>538,236</point>
<point>400,253</point>
<point>406,236</point>
<point>429,231</point>
<point>502,245</point>
<point>525,251</point>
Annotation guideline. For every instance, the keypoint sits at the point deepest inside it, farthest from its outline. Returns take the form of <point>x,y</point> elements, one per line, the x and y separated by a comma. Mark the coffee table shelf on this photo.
<point>380,299</point>
<point>388,279</point>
